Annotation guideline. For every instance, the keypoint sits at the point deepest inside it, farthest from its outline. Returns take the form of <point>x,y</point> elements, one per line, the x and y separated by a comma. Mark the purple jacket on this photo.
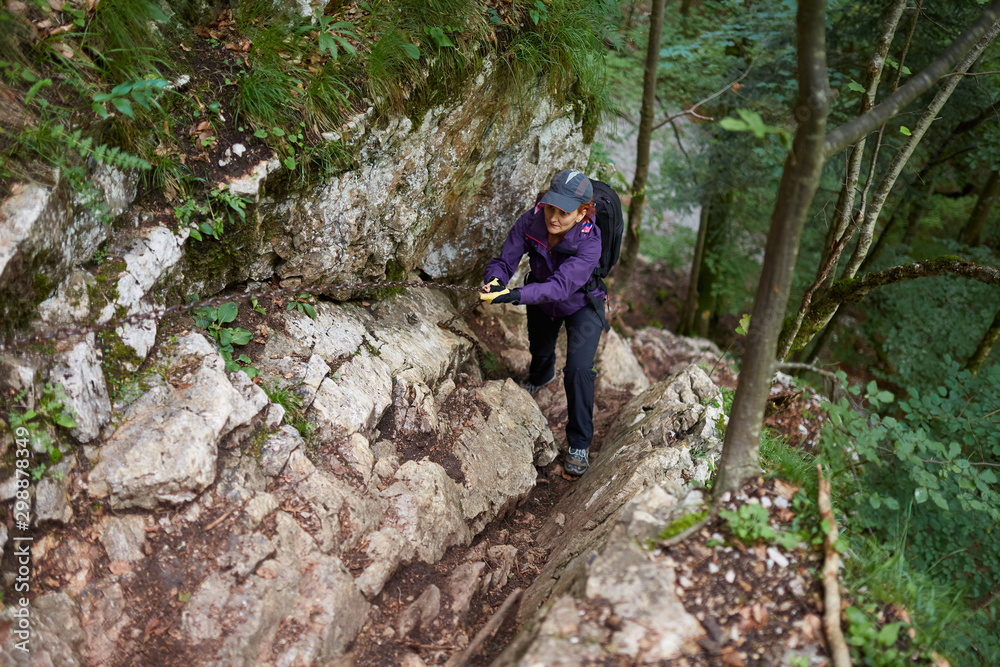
<point>558,274</point>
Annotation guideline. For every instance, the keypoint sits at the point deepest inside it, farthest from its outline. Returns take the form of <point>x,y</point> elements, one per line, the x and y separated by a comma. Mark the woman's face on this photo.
<point>559,222</point>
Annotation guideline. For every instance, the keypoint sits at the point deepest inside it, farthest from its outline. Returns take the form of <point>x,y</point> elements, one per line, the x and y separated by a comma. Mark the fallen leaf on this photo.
<point>186,49</point>
<point>785,489</point>
<point>232,47</point>
<point>812,628</point>
<point>61,29</point>
<point>151,625</point>
<point>732,658</point>
<point>760,614</point>
<point>56,5</point>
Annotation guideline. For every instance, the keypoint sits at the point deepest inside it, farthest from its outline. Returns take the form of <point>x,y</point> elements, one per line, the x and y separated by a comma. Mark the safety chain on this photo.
<point>159,313</point>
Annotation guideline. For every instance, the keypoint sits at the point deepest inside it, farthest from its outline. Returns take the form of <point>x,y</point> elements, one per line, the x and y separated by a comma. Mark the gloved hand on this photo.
<point>492,285</point>
<point>512,296</point>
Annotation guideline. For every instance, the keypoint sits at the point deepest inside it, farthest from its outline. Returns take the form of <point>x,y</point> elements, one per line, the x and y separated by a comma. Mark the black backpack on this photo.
<point>612,225</point>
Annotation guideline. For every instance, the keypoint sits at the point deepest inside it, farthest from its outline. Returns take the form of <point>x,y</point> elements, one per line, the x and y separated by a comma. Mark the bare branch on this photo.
<point>690,110</point>
<point>855,289</point>
<point>903,155</point>
<point>844,211</point>
<point>850,132</point>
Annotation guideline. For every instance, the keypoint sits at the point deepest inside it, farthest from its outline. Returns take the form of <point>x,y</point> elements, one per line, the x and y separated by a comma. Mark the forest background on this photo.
<point>912,445</point>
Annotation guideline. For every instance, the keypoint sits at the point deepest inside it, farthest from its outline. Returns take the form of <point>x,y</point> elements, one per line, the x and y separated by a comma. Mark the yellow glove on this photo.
<point>486,293</point>
<point>489,296</point>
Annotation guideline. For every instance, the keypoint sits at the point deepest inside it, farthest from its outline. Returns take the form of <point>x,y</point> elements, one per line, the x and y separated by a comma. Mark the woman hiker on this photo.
<point>564,247</point>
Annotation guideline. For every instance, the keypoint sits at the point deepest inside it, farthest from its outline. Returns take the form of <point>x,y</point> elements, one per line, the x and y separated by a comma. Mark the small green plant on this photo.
<point>333,34</point>
<point>292,404</point>
<point>209,218</point>
<point>50,411</point>
<point>302,304</point>
<point>254,305</point>
<point>142,92</point>
<point>870,644</point>
<point>750,523</point>
<point>213,319</point>
<point>538,12</point>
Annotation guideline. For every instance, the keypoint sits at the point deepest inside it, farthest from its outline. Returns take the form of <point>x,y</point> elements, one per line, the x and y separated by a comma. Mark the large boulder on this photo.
<point>634,484</point>
<point>165,450</point>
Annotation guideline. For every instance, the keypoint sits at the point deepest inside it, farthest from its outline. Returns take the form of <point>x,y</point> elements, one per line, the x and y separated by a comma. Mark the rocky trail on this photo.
<point>426,492</point>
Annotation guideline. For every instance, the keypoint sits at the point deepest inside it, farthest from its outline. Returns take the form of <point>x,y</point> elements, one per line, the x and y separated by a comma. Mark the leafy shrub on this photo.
<point>934,461</point>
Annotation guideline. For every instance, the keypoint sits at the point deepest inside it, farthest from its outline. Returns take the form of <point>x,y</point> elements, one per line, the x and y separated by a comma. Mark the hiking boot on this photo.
<point>532,389</point>
<point>576,462</point>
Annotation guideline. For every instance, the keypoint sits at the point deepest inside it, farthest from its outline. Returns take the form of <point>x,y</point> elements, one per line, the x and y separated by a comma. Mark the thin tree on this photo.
<point>647,113</point>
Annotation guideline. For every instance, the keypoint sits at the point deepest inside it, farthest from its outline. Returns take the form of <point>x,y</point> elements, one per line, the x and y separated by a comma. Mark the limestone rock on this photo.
<point>356,400</point>
<point>45,230</point>
<point>424,519</point>
<point>151,256</point>
<point>79,372</point>
<point>103,616</point>
<point>166,451</point>
<point>124,537</point>
<point>655,624</point>
<point>355,224</point>
<point>277,448</point>
<point>52,493</point>
<point>421,612</point>
<point>462,585</point>
<point>661,352</point>
<point>71,302</point>
<point>617,367</point>
<point>54,634</point>
<point>299,586</point>
<point>498,459</point>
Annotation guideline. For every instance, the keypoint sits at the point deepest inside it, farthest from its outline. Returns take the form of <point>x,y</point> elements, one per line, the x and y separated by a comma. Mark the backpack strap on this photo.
<point>597,282</point>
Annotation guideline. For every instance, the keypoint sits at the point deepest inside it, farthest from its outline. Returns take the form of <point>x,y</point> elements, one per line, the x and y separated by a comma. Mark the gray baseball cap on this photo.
<point>569,189</point>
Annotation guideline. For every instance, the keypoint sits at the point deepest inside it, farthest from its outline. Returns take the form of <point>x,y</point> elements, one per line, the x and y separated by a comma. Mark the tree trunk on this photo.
<point>982,352</point>
<point>974,227</point>
<point>799,180</point>
<point>716,236</point>
<point>686,327</point>
<point>631,251</point>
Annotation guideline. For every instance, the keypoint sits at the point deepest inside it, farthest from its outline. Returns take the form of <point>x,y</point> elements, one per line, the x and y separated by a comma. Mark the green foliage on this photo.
<point>142,92</point>
<point>209,217</point>
<point>674,249</point>
<point>870,644</point>
<point>212,319</point>
<point>50,412</point>
<point>750,523</point>
<point>907,321</point>
<point>750,121</point>
<point>332,35</point>
<point>292,404</point>
<point>934,459</point>
<point>302,303</point>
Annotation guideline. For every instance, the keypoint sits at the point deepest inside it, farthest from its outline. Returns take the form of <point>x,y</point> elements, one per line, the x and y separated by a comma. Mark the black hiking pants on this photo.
<point>583,331</point>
